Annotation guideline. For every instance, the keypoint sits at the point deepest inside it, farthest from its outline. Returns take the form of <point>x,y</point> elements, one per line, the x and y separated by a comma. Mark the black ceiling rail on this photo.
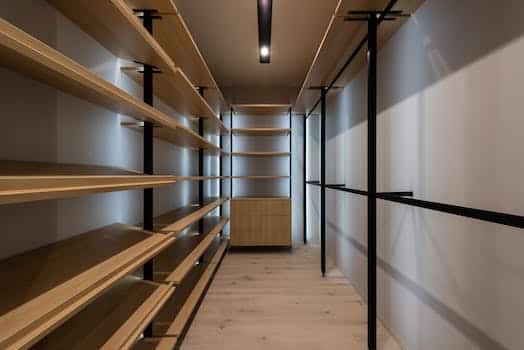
<point>355,52</point>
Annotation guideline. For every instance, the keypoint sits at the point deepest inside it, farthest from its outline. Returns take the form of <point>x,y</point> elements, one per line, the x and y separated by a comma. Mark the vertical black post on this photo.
<point>304,170</point>
<point>148,16</point>
<point>323,181</point>
<point>220,168</point>
<point>290,151</point>
<point>372,183</point>
<point>231,154</point>
<point>201,167</point>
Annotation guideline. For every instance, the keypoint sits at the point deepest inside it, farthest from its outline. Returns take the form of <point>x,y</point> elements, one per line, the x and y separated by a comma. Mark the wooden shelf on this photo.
<point>174,263</point>
<point>25,54</point>
<point>261,198</point>
<point>113,321</point>
<point>114,25</point>
<point>175,38</point>
<point>32,181</point>
<point>261,131</point>
<point>201,178</point>
<point>261,177</point>
<point>219,152</point>
<point>50,284</point>
<point>174,88</point>
<point>175,315</point>
<point>177,220</point>
<point>181,136</point>
<point>340,40</point>
<point>261,154</point>
<point>263,110</point>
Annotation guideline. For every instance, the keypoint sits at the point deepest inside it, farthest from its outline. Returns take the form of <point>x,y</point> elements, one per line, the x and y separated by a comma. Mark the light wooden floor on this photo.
<point>271,300</point>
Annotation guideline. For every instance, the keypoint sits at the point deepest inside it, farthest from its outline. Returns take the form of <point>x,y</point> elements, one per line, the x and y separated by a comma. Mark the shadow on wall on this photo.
<point>422,59</point>
<point>448,110</point>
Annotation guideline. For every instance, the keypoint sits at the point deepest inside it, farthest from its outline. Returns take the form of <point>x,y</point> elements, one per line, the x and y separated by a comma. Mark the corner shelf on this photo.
<point>66,276</point>
<point>174,263</point>
<point>27,55</point>
<point>261,154</point>
<point>107,325</point>
<point>33,181</point>
<point>114,25</point>
<point>261,131</point>
<point>177,220</point>
<point>175,315</point>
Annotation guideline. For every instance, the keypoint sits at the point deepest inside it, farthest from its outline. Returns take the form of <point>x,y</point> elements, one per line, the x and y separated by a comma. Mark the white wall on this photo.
<point>450,129</point>
<point>44,124</point>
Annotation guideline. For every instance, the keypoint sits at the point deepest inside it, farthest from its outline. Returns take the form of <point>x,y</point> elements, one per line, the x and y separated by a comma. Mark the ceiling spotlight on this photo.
<point>264,51</point>
<point>264,10</point>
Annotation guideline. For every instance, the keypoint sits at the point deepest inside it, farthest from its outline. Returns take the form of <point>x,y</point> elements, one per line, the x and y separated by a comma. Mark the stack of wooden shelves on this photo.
<point>261,220</point>
<point>83,292</point>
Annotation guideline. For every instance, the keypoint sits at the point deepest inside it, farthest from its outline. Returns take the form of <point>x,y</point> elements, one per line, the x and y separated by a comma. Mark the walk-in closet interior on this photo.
<point>262,174</point>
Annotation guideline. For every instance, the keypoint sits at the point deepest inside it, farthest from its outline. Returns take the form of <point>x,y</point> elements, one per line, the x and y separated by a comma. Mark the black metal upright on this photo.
<point>220,168</point>
<point>231,153</point>
<point>304,171</point>
<point>147,17</point>
<point>372,182</point>
<point>148,71</point>
<point>290,152</point>
<point>323,181</point>
<point>201,91</point>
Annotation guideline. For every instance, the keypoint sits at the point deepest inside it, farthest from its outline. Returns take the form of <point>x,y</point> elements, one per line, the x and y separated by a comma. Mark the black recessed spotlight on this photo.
<point>265,9</point>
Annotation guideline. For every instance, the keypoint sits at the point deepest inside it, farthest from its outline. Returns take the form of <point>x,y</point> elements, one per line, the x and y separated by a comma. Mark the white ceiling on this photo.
<point>226,32</point>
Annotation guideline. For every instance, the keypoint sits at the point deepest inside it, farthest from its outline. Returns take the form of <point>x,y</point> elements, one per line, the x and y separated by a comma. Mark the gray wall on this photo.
<point>43,124</point>
<point>450,129</point>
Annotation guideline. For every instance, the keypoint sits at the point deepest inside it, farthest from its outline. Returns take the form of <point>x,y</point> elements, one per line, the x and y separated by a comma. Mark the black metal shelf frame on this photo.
<point>148,16</point>
<point>374,18</point>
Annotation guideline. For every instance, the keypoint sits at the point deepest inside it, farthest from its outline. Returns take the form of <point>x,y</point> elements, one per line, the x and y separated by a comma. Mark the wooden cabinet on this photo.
<point>261,221</point>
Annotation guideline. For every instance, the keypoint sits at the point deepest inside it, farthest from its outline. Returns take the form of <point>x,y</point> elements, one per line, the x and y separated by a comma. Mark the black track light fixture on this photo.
<point>265,9</point>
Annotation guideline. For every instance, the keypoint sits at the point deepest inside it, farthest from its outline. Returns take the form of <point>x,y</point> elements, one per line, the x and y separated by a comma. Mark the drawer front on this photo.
<point>261,222</point>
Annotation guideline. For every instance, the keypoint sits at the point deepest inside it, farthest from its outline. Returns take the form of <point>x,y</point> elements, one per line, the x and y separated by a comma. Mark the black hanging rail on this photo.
<point>402,197</point>
<point>473,213</point>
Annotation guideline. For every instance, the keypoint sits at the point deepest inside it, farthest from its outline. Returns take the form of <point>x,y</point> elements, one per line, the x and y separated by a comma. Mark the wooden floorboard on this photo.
<point>277,300</point>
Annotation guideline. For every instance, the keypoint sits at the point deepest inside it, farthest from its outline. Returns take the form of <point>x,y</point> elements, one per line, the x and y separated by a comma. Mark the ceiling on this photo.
<point>226,33</point>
